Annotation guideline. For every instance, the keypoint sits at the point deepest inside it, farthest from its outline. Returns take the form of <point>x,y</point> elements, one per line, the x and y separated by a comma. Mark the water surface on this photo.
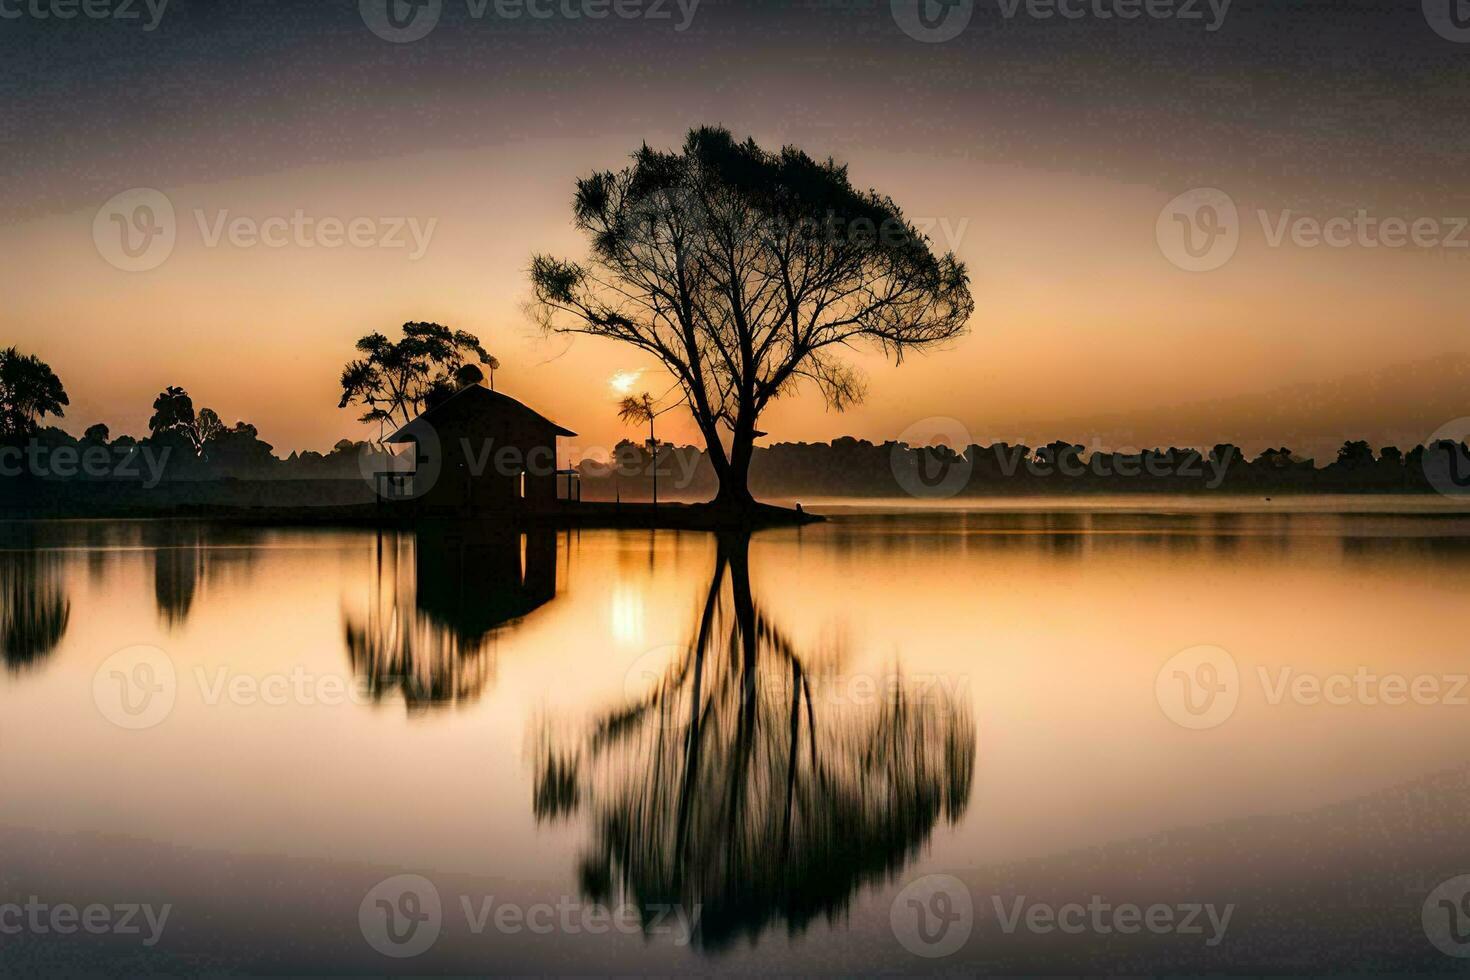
<point>782,733</point>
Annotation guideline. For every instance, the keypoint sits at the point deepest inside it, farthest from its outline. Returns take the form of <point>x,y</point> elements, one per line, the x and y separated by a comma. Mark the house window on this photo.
<point>523,484</point>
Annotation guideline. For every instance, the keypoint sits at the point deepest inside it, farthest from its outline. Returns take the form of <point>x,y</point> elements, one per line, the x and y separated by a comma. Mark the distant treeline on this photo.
<point>231,453</point>
<point>846,467</point>
<point>849,467</point>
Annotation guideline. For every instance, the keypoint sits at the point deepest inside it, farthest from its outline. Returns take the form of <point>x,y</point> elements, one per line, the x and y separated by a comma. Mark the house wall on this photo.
<point>481,460</point>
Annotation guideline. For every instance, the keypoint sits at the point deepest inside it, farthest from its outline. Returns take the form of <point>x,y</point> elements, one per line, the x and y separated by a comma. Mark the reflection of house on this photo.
<point>437,602</point>
<point>479,450</point>
<point>475,583</point>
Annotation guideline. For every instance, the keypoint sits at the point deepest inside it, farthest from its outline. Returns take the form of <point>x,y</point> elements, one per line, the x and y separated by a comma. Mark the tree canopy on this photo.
<point>747,272</point>
<point>395,379</point>
<point>29,391</point>
<point>173,413</point>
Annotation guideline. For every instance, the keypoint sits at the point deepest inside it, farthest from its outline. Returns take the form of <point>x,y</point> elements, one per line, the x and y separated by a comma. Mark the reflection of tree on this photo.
<point>184,555</point>
<point>36,610</point>
<point>177,563</point>
<point>732,786</point>
<point>438,599</point>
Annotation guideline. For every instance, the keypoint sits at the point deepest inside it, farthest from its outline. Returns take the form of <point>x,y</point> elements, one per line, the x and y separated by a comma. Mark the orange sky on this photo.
<point>1041,149</point>
<point>1078,310</point>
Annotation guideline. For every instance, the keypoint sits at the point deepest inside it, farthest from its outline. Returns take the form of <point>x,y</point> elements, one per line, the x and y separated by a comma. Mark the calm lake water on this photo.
<point>886,743</point>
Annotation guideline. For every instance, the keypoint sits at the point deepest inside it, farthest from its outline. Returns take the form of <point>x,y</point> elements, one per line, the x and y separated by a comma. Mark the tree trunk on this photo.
<point>734,493</point>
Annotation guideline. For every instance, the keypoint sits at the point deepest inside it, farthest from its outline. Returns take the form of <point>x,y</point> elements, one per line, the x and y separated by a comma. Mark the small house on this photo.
<point>478,451</point>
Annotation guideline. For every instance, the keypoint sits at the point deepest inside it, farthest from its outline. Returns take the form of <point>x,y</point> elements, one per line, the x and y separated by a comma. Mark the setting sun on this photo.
<point>622,383</point>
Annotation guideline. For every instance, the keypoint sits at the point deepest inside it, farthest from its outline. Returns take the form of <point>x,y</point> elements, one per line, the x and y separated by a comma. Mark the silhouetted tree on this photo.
<point>207,426</point>
<point>97,433</point>
<point>29,391</point>
<point>746,272</point>
<point>394,379</point>
<point>1064,457</point>
<point>238,450</point>
<point>1277,459</point>
<point>444,388</point>
<point>172,409</point>
<point>640,409</point>
<point>1355,455</point>
<point>440,391</point>
<point>173,413</point>
<point>468,375</point>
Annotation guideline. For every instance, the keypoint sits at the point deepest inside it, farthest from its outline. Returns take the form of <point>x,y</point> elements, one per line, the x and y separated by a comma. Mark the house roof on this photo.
<point>476,398</point>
